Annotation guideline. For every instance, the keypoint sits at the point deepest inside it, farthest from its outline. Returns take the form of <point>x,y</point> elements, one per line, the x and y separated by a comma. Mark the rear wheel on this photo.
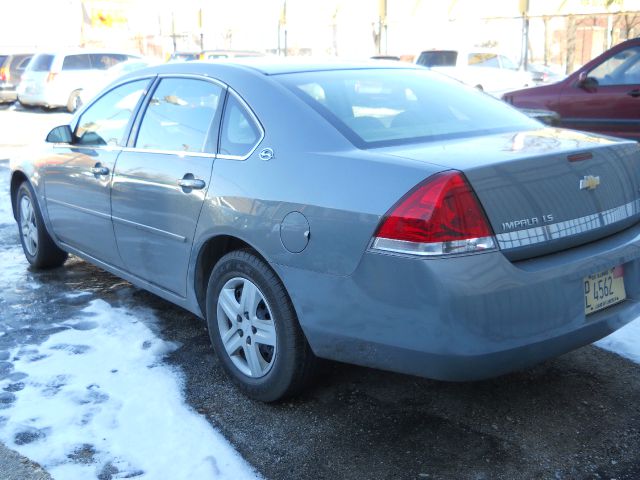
<point>254,329</point>
<point>38,247</point>
<point>74,102</point>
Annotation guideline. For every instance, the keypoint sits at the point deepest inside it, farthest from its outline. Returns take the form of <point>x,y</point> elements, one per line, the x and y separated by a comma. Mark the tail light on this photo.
<point>4,74</point>
<point>440,216</point>
<point>51,76</point>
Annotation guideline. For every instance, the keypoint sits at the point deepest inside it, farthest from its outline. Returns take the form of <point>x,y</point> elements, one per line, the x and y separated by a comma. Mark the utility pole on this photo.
<point>173,32</point>
<point>284,17</point>
<point>382,26</point>
<point>524,52</point>
<point>200,27</point>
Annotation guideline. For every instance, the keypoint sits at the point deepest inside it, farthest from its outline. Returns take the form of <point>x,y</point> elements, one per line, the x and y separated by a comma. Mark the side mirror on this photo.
<point>587,83</point>
<point>61,134</point>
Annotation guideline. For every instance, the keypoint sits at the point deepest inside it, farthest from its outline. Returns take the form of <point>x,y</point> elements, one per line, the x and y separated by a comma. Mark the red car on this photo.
<point>603,96</point>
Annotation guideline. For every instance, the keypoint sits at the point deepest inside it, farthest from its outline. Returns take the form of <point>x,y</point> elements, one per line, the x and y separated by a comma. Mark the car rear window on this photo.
<point>41,63</point>
<point>380,107</point>
<point>2,59</point>
<point>438,58</point>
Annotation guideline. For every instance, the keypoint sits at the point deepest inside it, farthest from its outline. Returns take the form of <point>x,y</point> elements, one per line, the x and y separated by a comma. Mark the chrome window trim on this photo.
<point>567,228</point>
<point>247,108</point>
<point>179,153</point>
<point>221,156</point>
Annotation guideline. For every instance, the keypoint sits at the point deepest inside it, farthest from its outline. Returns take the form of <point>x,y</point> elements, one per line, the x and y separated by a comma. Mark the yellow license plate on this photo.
<point>603,289</point>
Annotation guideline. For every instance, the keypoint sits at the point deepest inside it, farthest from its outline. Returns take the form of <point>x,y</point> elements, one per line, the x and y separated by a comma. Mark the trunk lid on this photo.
<point>544,190</point>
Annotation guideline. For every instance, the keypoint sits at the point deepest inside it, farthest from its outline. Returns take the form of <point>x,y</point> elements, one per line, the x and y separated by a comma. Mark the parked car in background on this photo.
<point>484,69</point>
<point>603,96</point>
<point>82,96</point>
<point>11,69</point>
<point>183,56</point>
<point>221,54</point>
<point>53,79</point>
<point>411,223</point>
<point>541,73</point>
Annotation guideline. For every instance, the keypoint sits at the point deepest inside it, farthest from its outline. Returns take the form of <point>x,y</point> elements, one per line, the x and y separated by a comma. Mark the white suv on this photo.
<point>484,69</point>
<point>54,80</point>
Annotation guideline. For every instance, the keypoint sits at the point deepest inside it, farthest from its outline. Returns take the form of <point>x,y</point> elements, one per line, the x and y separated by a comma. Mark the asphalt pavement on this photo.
<point>573,417</point>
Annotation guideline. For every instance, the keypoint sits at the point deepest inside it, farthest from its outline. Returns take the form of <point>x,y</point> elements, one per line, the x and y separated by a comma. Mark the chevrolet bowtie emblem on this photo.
<point>589,182</point>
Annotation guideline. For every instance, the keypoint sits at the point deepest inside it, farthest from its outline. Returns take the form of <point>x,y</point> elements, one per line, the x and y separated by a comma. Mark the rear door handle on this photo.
<point>100,170</point>
<point>634,93</point>
<point>191,183</point>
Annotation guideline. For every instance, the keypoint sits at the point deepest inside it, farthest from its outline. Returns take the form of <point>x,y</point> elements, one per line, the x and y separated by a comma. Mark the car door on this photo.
<point>160,182</point>
<point>608,100</point>
<point>78,176</point>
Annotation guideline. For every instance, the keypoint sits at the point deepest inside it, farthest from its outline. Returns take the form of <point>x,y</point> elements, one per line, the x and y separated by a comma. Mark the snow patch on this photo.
<point>100,401</point>
<point>624,342</point>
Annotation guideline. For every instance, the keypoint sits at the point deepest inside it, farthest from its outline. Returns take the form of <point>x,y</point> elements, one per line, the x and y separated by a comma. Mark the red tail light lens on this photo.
<point>441,216</point>
<point>4,75</point>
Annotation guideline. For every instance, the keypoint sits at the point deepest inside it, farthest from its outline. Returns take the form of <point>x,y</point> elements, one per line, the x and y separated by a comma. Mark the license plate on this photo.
<point>603,289</point>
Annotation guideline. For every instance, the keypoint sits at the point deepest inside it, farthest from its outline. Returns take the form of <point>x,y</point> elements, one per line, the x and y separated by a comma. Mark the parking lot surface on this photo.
<point>573,417</point>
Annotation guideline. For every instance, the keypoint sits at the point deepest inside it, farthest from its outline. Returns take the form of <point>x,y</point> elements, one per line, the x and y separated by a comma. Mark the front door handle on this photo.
<point>191,183</point>
<point>634,93</point>
<point>98,169</point>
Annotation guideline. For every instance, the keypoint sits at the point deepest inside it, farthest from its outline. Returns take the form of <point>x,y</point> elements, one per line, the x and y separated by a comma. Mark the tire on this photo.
<point>74,102</point>
<point>38,247</point>
<point>264,372</point>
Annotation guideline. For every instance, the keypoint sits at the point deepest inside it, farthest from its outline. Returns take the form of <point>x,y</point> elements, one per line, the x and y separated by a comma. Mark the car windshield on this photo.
<point>41,63</point>
<point>380,107</point>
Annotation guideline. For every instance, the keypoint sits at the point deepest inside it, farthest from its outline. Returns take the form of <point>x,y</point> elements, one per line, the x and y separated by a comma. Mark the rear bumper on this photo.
<point>8,93</point>
<point>41,99</point>
<point>462,318</point>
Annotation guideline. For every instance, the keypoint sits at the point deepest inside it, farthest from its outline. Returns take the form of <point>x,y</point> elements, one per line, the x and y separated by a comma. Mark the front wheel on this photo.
<point>38,247</point>
<point>254,329</point>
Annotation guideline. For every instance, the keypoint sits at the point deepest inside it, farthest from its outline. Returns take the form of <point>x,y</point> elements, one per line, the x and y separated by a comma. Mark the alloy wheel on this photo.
<point>246,327</point>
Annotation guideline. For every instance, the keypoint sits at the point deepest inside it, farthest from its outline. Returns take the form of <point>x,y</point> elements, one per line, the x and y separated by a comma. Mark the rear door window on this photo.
<point>41,63</point>
<point>105,122</point>
<point>76,62</point>
<point>240,132</point>
<point>180,117</point>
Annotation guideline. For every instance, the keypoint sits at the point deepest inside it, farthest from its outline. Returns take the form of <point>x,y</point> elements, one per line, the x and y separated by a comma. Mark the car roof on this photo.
<point>278,65</point>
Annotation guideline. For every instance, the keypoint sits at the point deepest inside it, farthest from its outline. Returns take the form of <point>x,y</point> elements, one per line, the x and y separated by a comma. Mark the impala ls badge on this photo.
<point>589,182</point>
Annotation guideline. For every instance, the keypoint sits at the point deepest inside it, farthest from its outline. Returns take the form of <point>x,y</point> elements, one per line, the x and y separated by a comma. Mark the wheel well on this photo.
<point>212,251</point>
<point>16,180</point>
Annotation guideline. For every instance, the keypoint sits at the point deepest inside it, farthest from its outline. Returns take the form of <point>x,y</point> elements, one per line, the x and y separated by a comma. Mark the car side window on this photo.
<point>623,68</point>
<point>179,116</point>
<point>105,121</point>
<point>483,60</point>
<point>76,62</point>
<point>240,132</point>
<point>104,61</point>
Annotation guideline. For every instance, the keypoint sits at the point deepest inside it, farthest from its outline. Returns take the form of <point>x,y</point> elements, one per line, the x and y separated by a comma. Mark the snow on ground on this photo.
<point>96,398</point>
<point>87,395</point>
<point>625,342</point>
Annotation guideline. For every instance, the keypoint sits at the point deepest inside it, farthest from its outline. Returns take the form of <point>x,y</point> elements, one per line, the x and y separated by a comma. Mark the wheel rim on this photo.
<point>28,226</point>
<point>246,327</point>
